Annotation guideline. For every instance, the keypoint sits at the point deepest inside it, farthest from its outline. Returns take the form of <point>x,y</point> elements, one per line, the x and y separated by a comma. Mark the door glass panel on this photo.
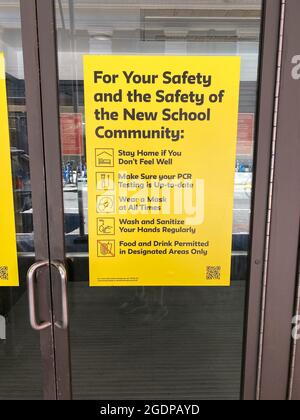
<point>152,343</point>
<point>20,366</point>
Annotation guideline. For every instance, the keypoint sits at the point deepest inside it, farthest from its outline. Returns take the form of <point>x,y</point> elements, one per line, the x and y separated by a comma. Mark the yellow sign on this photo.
<point>8,248</point>
<point>161,143</point>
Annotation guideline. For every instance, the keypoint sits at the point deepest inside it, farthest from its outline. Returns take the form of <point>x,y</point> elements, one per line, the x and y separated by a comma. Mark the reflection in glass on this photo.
<point>20,366</point>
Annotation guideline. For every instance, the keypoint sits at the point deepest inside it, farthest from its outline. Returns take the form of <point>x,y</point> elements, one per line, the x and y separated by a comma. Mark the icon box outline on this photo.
<point>111,197</point>
<point>113,224</point>
<point>112,181</point>
<point>105,150</point>
<point>107,241</point>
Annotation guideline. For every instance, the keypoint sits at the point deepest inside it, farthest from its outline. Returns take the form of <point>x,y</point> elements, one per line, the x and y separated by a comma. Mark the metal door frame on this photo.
<point>266,369</point>
<point>39,190</point>
<point>270,38</point>
<point>277,357</point>
<point>276,370</point>
<point>40,66</point>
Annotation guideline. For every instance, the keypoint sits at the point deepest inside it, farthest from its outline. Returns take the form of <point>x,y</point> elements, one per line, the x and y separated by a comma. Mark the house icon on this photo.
<point>104,158</point>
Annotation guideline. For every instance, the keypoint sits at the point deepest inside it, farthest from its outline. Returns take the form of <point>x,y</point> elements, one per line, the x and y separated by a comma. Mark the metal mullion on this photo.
<point>282,255</point>
<point>53,168</point>
<point>38,186</point>
<point>262,167</point>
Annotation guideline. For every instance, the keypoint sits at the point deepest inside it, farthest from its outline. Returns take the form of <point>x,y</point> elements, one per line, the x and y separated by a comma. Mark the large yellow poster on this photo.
<point>161,142</point>
<point>8,248</point>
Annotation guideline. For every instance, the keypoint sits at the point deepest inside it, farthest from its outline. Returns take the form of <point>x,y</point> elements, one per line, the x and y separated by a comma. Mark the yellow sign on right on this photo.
<point>161,137</point>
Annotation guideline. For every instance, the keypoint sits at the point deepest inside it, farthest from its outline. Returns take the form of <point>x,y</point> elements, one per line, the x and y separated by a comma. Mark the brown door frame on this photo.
<point>281,279</point>
<point>40,66</point>
<point>270,38</point>
<point>53,168</point>
<point>266,367</point>
<point>39,190</point>
<point>278,357</point>
<point>290,102</point>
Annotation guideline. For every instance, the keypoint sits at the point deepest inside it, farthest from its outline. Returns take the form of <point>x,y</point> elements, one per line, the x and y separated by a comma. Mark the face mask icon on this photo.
<point>105,204</point>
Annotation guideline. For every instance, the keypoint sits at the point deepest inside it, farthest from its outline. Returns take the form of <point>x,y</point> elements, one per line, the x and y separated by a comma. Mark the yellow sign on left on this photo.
<point>8,247</point>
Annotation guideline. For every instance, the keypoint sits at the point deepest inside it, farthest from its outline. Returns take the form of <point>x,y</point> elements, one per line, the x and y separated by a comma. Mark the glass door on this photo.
<point>26,356</point>
<point>154,342</point>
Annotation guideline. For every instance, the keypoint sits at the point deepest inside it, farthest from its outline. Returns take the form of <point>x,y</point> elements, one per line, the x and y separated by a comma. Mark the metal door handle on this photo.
<point>64,295</point>
<point>31,276</point>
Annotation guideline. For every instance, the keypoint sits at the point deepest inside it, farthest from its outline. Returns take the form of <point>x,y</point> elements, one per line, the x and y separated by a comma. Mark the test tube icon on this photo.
<point>103,181</point>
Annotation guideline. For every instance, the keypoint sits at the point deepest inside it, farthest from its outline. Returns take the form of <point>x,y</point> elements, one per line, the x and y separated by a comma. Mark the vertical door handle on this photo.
<point>63,325</point>
<point>31,276</point>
